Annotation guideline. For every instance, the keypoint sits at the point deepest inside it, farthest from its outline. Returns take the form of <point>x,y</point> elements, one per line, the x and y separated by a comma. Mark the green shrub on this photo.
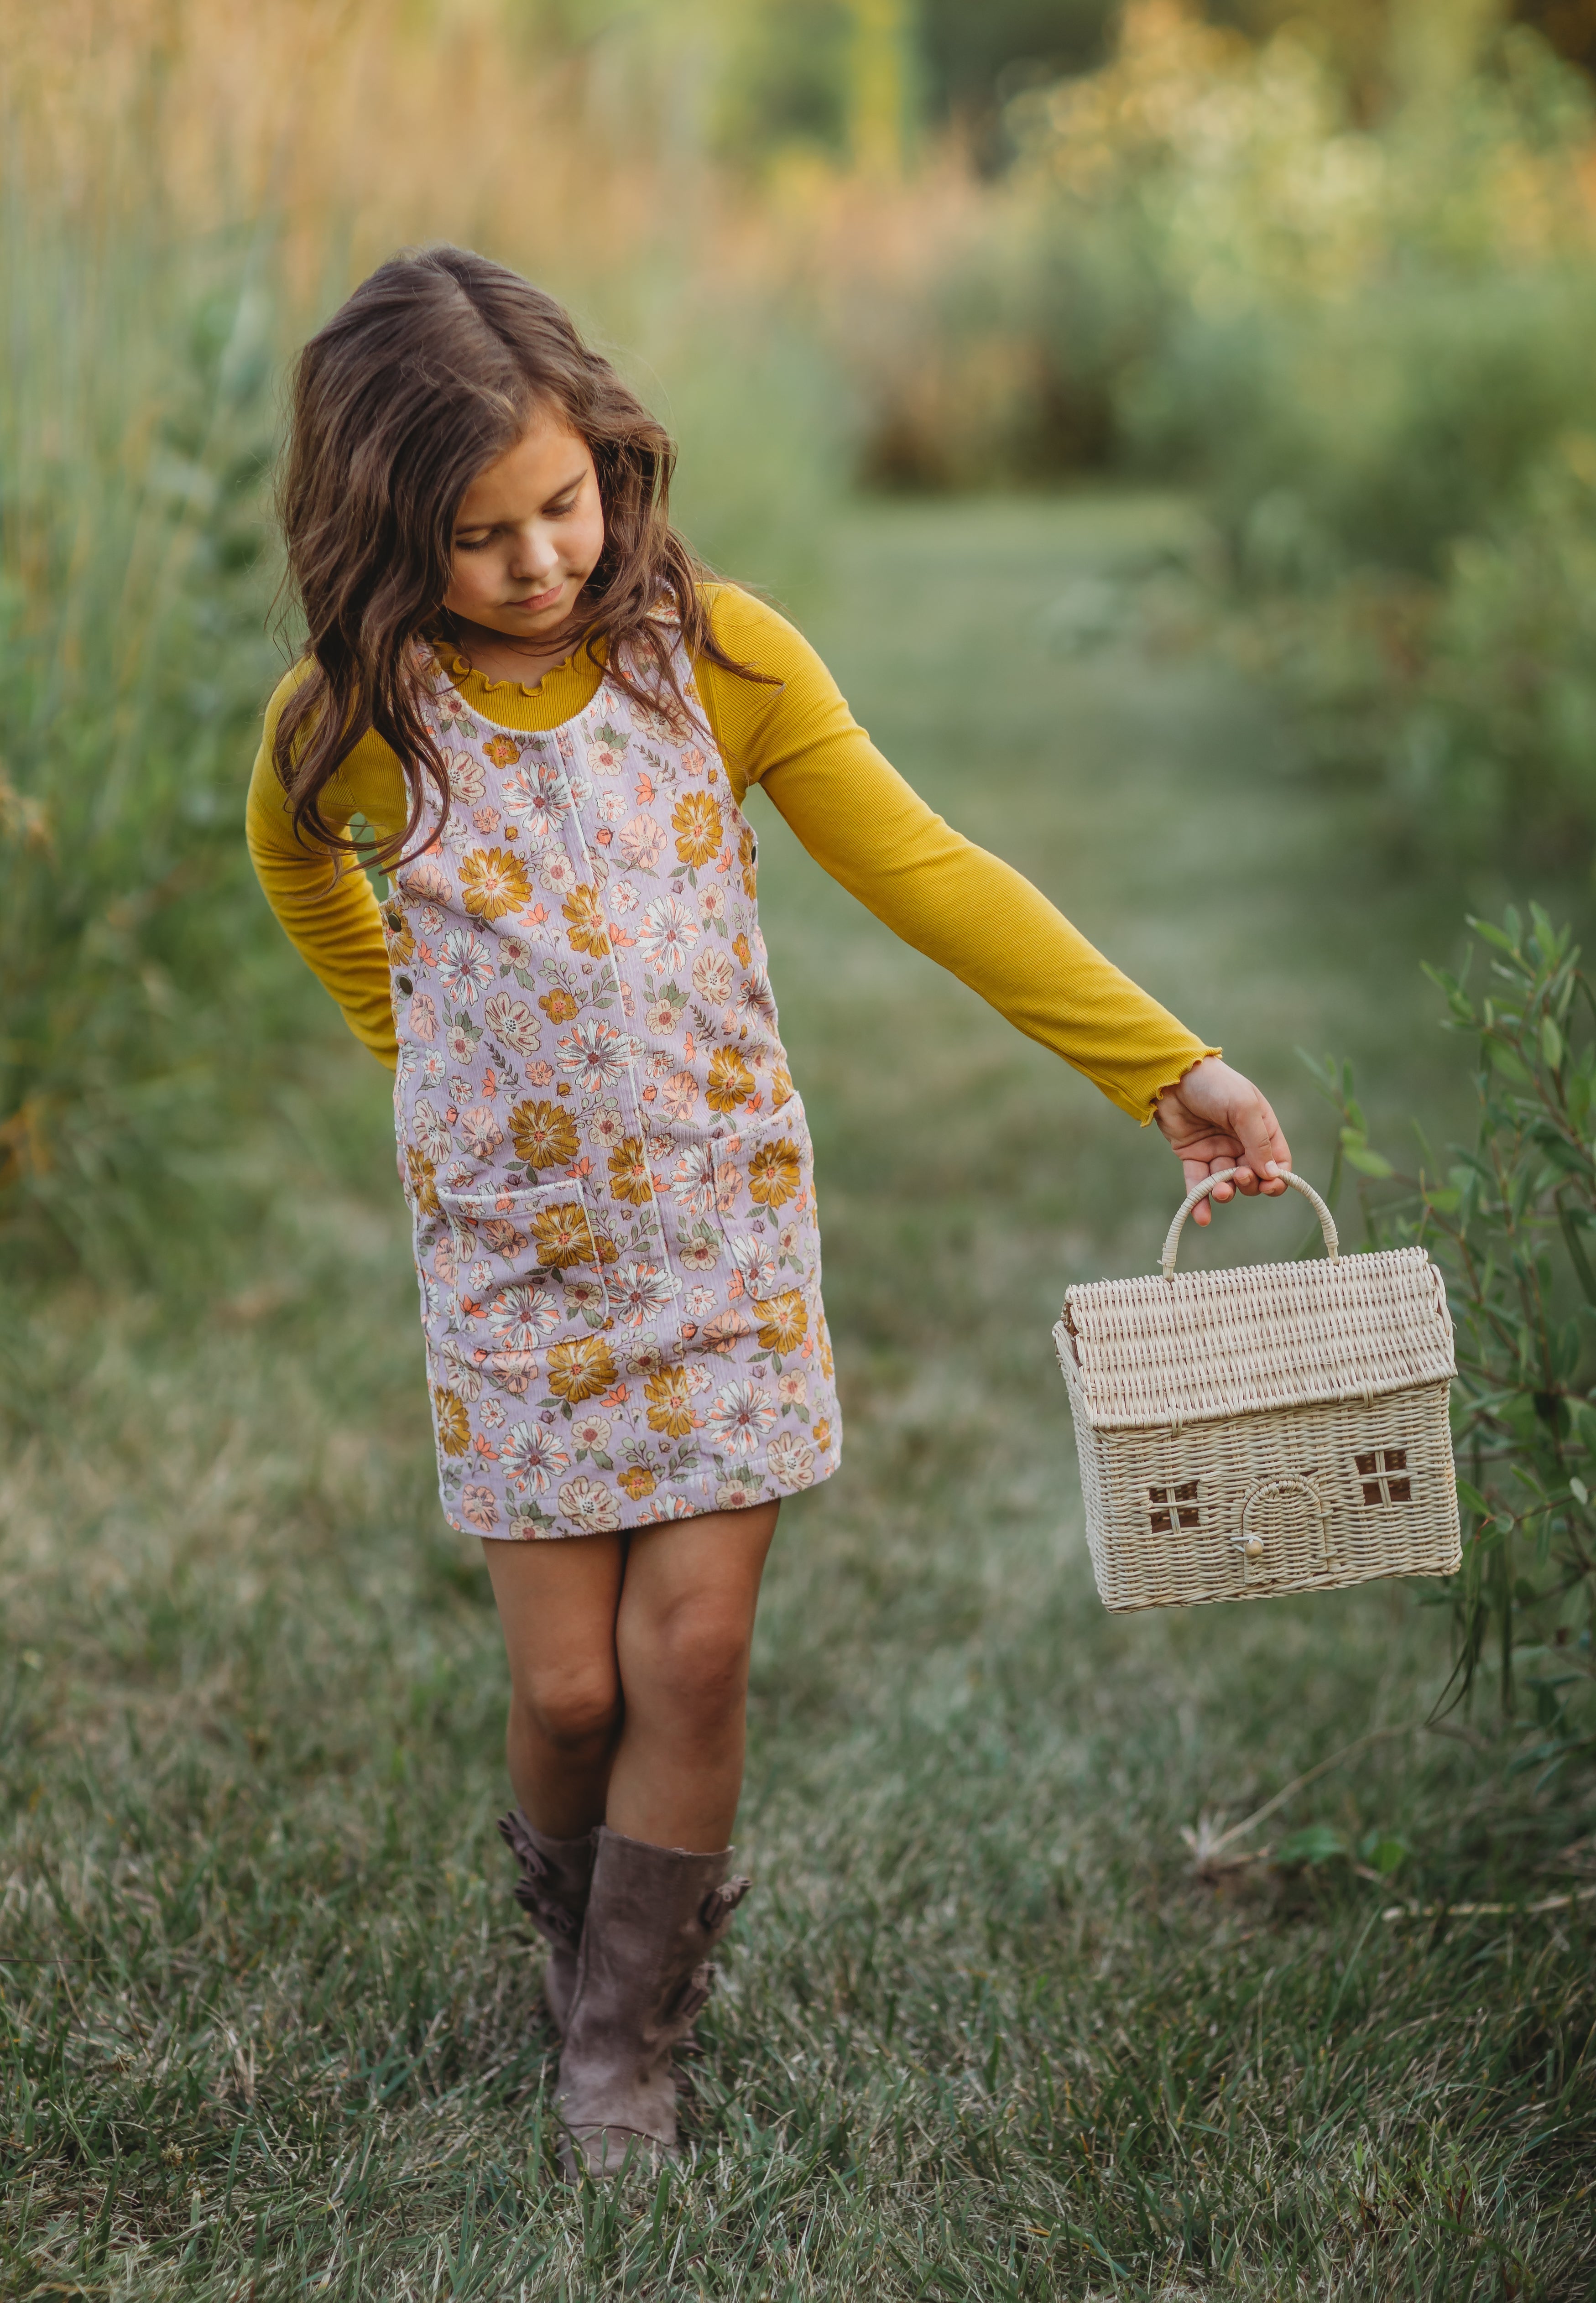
<point>1471,701</point>
<point>1370,346</point>
<point>1504,710</point>
<point>133,661</point>
<point>1511,1220</point>
<point>1380,323</point>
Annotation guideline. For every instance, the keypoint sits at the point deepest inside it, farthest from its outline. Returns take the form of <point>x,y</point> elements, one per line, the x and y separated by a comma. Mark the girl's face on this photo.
<point>528,535</point>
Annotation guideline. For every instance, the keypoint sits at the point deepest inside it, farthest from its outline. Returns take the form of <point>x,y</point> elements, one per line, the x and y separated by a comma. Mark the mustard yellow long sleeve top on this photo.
<point>856,816</point>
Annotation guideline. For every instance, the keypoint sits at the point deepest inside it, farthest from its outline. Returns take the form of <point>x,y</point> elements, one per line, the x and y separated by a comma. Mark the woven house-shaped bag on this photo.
<point>1281,1428</point>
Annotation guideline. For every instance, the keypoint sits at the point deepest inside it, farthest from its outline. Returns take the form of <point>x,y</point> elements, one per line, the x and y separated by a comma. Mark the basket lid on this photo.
<point>1208,1343</point>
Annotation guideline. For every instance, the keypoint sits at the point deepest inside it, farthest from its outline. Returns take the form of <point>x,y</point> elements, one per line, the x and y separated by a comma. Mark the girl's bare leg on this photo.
<point>628,1668</point>
<point>682,1638</point>
<point>628,1675</point>
<point>557,1604</point>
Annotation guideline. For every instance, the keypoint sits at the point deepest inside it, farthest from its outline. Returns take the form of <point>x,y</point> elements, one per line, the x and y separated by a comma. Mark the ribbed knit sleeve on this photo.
<point>962,906</point>
<point>323,903</point>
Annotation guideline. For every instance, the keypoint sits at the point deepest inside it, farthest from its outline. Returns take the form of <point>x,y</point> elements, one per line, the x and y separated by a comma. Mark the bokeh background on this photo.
<point>1174,425</point>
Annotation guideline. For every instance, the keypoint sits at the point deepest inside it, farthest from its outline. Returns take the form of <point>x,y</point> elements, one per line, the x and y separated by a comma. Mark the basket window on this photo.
<point>1173,1508</point>
<point>1383,1474</point>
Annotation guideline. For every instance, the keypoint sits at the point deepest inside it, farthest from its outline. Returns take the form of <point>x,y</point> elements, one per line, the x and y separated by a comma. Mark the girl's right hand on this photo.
<point>1214,1118</point>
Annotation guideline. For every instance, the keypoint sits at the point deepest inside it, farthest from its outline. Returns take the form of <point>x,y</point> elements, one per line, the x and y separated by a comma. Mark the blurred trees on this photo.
<point>797,74</point>
<point>851,78</point>
<point>785,80</point>
<point>1357,313</point>
<point>1568,26</point>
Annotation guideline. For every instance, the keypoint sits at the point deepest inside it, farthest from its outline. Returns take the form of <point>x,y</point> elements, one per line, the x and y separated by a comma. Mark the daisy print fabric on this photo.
<point>607,1165</point>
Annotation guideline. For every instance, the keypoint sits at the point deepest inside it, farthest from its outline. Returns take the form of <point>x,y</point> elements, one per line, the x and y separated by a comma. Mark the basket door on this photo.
<point>1284,1533</point>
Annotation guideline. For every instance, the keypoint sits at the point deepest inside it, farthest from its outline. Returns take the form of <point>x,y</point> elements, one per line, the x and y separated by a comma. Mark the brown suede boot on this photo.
<point>556,1875</point>
<point>654,1916</point>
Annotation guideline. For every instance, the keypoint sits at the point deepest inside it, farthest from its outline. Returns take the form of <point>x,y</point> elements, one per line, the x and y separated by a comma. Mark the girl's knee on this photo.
<point>572,1710</point>
<point>695,1660</point>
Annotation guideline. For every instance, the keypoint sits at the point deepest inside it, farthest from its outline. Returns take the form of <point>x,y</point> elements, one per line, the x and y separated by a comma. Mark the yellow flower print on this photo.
<point>638,1481</point>
<point>559,1005</point>
<point>823,1434</point>
<point>563,1235</point>
<point>773,1174</point>
<point>783,1320</point>
<point>740,945</point>
<point>729,1080</point>
<point>504,751</point>
<point>587,931</point>
<point>745,856</point>
<point>399,934</point>
<point>424,1187</point>
<point>580,1370</point>
<point>455,1429</point>
<point>545,1134</point>
<point>780,1087</point>
<point>630,1179</point>
<point>491,883</point>
<point>696,819</point>
<point>827,1369</point>
<point>669,1402</point>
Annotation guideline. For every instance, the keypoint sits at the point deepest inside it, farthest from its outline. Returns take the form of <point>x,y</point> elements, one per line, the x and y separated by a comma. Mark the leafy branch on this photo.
<point>1508,1220</point>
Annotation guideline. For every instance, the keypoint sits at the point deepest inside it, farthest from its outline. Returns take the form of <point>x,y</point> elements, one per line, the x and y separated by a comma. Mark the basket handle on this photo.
<point>1327,1222</point>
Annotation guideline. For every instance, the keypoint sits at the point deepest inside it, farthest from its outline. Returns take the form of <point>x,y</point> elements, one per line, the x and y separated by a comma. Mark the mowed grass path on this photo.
<point>270,2022</point>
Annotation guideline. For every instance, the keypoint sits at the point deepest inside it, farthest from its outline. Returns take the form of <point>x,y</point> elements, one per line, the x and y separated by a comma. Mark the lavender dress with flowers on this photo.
<point>608,1167</point>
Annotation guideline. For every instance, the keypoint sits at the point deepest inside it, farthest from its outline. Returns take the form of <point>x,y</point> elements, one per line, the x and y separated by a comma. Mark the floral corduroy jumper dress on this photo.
<point>608,1167</point>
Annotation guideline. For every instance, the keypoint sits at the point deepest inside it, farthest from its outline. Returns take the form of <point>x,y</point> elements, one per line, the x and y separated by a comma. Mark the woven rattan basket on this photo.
<point>1281,1428</point>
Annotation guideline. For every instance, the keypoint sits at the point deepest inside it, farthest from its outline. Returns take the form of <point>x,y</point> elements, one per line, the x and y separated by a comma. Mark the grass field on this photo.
<point>269,2018</point>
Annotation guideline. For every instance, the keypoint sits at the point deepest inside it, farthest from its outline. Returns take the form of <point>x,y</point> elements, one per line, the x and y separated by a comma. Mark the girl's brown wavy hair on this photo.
<point>428,373</point>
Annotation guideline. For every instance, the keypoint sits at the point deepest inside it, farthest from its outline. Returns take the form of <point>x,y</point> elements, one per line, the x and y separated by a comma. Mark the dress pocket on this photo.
<point>528,1264</point>
<point>771,1164</point>
<point>743,1206</point>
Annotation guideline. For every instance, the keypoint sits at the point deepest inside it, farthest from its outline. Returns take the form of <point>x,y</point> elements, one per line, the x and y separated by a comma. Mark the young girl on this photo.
<point>521,679</point>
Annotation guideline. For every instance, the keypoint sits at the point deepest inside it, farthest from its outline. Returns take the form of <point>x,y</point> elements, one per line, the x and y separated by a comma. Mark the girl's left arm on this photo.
<point>964,908</point>
<point>324,902</point>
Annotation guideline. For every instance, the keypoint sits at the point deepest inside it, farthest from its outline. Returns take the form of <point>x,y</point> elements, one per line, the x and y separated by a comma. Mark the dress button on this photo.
<point>405,986</point>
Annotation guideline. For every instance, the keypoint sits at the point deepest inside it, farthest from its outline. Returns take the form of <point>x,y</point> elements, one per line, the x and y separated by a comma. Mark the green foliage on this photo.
<point>1472,700</point>
<point>1570,25</point>
<point>135,432</point>
<point>1501,716</point>
<point>1459,386</point>
<point>1511,1220</point>
<point>972,60</point>
<point>1338,279</point>
<point>788,73</point>
<point>1356,325</point>
<point>1363,334</point>
<point>786,80</point>
<point>1369,341</point>
<point>758,410</point>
